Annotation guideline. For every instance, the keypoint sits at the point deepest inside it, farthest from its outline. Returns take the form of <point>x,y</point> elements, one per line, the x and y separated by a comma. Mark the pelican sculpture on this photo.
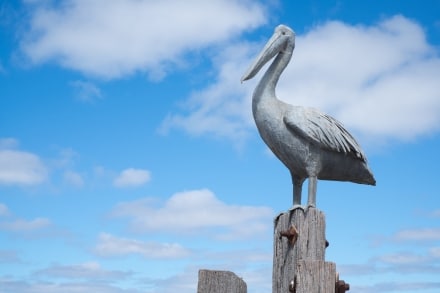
<point>311,144</point>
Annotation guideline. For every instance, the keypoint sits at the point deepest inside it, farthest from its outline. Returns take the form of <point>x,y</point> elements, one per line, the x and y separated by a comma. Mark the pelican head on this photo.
<point>282,41</point>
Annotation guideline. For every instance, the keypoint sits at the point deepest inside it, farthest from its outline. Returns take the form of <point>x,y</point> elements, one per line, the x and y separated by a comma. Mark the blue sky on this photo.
<point>129,158</point>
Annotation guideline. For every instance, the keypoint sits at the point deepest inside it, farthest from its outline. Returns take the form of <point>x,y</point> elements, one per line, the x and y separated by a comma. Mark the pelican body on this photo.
<point>311,144</point>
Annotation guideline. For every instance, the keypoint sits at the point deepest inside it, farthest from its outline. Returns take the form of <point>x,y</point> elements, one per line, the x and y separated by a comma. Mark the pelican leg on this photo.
<point>313,181</point>
<point>297,190</point>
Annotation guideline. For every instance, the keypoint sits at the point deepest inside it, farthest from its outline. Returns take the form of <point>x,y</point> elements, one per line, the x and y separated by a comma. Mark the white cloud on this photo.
<point>379,80</point>
<point>27,228</point>
<point>109,245</point>
<point>196,210</point>
<point>73,178</point>
<point>112,39</point>
<point>132,177</point>
<point>21,168</point>
<point>219,110</point>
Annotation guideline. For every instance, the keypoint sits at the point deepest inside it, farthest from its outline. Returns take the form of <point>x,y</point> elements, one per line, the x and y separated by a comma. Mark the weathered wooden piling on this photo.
<point>299,264</point>
<point>220,282</point>
<point>299,254</point>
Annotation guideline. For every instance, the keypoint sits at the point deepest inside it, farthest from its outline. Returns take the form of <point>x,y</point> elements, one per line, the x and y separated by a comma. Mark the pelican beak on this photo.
<point>272,47</point>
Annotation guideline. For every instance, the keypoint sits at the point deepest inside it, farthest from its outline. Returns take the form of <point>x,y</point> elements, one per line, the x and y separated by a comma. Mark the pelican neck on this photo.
<point>267,84</point>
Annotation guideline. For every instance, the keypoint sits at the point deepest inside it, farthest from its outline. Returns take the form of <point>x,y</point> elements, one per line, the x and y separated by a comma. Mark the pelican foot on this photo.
<point>297,206</point>
<point>311,205</point>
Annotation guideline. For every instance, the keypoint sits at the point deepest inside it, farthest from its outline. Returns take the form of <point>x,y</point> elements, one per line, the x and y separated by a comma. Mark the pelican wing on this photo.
<point>322,130</point>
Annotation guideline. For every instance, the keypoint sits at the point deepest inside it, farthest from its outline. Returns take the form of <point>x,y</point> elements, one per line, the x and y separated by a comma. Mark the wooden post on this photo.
<point>299,254</point>
<point>299,264</point>
<point>220,282</point>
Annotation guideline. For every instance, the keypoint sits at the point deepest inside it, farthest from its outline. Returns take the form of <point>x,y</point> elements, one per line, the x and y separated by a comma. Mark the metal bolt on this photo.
<point>341,286</point>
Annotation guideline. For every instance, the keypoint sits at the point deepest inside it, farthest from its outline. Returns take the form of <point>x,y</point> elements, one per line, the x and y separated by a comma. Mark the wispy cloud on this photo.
<point>86,91</point>
<point>12,285</point>
<point>9,256</point>
<point>24,226</point>
<point>402,258</point>
<point>66,158</point>
<point>110,245</point>
<point>422,260</point>
<point>87,271</point>
<point>196,210</point>
<point>65,162</point>
<point>223,109</point>
<point>73,178</point>
<point>185,281</point>
<point>4,211</point>
<point>113,39</point>
<point>27,228</point>
<point>422,234</point>
<point>435,214</point>
<point>392,265</point>
<point>435,252</point>
<point>132,178</point>
<point>357,269</point>
<point>258,279</point>
<point>398,287</point>
<point>8,143</point>
<point>376,79</point>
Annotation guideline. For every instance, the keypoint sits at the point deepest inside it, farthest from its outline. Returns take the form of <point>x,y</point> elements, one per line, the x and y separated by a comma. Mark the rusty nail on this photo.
<point>291,234</point>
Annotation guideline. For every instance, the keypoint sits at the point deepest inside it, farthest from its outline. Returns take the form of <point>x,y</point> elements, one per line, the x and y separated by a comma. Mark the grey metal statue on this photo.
<point>311,144</point>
